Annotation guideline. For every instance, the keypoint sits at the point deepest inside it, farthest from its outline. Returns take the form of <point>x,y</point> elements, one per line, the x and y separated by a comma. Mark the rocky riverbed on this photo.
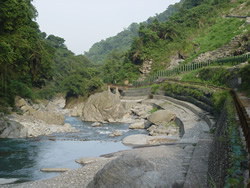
<point>164,165</point>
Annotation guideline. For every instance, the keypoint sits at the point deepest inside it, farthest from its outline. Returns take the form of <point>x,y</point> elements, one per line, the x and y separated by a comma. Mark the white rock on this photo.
<point>115,133</point>
<point>96,124</point>
<point>137,125</point>
<point>140,139</point>
<point>87,160</point>
<point>55,169</point>
<point>67,125</point>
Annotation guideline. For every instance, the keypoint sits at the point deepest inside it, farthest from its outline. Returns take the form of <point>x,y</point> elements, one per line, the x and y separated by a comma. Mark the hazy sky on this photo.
<point>83,22</point>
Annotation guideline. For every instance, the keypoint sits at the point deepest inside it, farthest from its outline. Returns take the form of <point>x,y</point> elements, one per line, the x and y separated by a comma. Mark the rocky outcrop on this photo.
<point>146,68</point>
<point>44,118</point>
<point>76,111</point>
<point>47,112</point>
<point>12,129</point>
<point>103,107</point>
<point>129,170</point>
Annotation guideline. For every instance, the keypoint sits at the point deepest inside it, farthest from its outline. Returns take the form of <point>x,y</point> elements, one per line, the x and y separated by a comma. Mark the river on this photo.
<point>22,159</point>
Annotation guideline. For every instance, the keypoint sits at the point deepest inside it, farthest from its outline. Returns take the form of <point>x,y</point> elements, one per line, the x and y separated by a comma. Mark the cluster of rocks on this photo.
<point>44,118</point>
<point>163,127</point>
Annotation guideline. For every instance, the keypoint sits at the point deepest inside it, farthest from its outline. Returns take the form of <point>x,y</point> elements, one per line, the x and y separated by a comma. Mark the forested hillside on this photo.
<point>34,65</point>
<point>196,27</point>
<point>122,41</point>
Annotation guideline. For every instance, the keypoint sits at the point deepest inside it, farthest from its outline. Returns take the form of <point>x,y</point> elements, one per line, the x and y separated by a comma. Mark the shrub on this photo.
<point>218,99</point>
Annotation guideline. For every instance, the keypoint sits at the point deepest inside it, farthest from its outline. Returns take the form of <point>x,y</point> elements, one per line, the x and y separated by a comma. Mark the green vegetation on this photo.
<point>245,72</point>
<point>33,65</point>
<point>190,29</point>
<point>238,158</point>
<point>219,34</point>
<point>123,40</point>
<point>153,110</point>
<point>25,59</point>
<point>215,76</point>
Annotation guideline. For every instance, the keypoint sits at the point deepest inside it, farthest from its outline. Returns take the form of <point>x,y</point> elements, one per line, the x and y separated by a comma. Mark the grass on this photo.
<point>217,35</point>
<point>153,110</point>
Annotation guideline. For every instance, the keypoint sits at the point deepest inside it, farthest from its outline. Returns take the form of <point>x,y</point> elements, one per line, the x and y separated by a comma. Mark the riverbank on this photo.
<point>171,161</point>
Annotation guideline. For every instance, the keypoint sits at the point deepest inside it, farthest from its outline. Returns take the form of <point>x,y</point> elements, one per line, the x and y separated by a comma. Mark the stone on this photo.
<point>137,139</point>
<point>87,160</point>
<point>12,129</point>
<point>50,117</point>
<point>115,133</point>
<point>28,110</point>
<point>103,107</point>
<point>129,170</point>
<point>96,124</point>
<point>54,169</point>
<point>137,125</point>
<point>7,181</point>
<point>147,124</point>
<point>141,139</point>
<point>77,110</point>
<point>19,102</point>
<point>67,125</point>
<point>162,117</point>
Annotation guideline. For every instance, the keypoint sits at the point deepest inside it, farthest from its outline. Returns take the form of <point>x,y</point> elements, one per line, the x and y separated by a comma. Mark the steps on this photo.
<point>137,92</point>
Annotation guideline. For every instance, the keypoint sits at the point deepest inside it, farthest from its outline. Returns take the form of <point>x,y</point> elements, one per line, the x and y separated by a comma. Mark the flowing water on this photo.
<point>23,158</point>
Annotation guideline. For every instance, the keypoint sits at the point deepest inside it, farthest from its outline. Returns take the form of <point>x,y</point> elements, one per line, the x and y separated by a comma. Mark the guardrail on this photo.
<point>234,60</point>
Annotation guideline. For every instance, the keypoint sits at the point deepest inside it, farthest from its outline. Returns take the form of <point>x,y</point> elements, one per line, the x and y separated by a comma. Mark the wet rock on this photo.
<point>115,133</point>
<point>96,124</point>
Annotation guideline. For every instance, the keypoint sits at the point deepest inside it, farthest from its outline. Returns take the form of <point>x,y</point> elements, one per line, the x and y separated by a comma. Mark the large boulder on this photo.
<point>12,129</point>
<point>129,170</point>
<point>162,117</point>
<point>103,107</point>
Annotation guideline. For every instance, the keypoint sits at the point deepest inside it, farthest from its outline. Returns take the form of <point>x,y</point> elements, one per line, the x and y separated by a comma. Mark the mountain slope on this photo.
<point>122,41</point>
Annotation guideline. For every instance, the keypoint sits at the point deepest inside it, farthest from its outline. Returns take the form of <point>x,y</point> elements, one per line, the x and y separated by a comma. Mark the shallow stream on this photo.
<point>23,158</point>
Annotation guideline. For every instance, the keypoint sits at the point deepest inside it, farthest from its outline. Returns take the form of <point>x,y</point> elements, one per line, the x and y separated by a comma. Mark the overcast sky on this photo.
<point>84,22</point>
